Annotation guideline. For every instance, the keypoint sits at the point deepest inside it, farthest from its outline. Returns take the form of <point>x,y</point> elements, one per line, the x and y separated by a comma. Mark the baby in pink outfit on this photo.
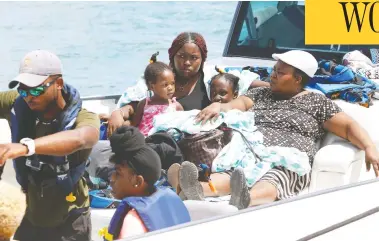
<point>160,81</point>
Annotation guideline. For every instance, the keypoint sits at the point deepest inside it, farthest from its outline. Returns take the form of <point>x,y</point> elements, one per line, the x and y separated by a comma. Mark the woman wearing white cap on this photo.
<point>289,116</point>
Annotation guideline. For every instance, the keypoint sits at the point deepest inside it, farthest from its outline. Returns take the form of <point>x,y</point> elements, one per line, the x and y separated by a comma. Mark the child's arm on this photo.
<point>179,107</point>
<point>137,117</point>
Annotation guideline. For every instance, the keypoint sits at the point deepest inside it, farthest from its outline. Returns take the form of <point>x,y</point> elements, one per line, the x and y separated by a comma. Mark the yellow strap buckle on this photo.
<point>71,198</point>
<point>104,233</point>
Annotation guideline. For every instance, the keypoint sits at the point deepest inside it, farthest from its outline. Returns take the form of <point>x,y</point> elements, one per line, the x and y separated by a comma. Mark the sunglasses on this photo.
<point>37,91</point>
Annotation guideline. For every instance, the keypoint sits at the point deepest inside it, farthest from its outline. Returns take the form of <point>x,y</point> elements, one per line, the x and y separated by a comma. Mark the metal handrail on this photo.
<point>340,224</point>
<point>102,97</point>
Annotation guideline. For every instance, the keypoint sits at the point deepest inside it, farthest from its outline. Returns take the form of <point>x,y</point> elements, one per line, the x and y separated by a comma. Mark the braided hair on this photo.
<point>231,78</point>
<point>188,37</point>
<point>154,69</point>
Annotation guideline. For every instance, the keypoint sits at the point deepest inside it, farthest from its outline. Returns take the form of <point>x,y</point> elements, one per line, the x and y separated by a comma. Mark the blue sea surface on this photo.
<point>105,46</point>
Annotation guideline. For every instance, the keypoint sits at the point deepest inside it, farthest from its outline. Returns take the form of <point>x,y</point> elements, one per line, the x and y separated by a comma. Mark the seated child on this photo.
<point>160,81</point>
<point>12,209</point>
<point>224,87</point>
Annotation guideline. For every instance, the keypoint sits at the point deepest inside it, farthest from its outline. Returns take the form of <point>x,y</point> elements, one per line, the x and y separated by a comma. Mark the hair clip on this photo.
<point>221,71</point>
<point>153,58</point>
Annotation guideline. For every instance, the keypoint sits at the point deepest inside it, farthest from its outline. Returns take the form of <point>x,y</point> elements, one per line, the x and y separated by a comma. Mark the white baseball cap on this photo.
<point>299,59</point>
<point>36,67</point>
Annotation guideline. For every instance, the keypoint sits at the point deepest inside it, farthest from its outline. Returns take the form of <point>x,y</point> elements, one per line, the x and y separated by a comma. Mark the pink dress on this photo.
<point>149,111</point>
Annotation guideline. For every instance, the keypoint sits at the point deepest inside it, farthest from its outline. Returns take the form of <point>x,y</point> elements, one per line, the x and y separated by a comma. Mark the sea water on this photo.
<point>105,46</point>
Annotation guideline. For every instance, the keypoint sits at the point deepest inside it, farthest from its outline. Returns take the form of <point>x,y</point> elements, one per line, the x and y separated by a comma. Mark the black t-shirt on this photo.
<point>197,99</point>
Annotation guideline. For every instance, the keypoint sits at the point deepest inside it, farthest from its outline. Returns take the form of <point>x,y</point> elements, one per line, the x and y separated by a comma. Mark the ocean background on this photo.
<point>105,46</point>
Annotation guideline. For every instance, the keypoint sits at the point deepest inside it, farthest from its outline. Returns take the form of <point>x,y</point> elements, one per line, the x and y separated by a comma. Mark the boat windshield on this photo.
<point>261,28</point>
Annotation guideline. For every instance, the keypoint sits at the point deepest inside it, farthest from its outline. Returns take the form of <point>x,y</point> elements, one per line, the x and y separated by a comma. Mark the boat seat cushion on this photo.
<point>202,209</point>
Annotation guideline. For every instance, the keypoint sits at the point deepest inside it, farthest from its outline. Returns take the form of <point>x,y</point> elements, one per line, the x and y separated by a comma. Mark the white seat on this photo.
<point>100,218</point>
<point>96,106</point>
<point>339,162</point>
<point>200,209</point>
<point>335,165</point>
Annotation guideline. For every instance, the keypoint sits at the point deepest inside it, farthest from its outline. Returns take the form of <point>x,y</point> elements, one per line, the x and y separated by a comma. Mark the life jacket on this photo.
<point>23,122</point>
<point>162,209</point>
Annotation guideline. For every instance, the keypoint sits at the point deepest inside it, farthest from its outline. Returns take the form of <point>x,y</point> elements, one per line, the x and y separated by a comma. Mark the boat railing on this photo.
<point>102,97</point>
<point>327,211</point>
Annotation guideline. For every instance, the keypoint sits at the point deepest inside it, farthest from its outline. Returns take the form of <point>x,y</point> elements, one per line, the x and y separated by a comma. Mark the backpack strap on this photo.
<point>245,140</point>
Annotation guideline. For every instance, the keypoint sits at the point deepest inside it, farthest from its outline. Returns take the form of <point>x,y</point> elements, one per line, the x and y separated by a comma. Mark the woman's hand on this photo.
<point>104,117</point>
<point>115,121</point>
<point>210,112</point>
<point>372,158</point>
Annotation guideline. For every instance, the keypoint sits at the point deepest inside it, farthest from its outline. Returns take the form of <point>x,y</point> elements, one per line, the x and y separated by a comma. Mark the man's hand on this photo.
<point>372,158</point>
<point>11,151</point>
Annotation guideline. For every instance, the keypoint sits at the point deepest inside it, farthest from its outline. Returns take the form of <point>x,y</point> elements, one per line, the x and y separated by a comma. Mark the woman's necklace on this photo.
<point>181,87</point>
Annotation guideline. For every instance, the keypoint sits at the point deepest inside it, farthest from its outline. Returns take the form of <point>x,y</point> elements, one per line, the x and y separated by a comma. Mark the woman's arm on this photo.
<point>344,126</point>
<point>242,103</point>
<point>139,113</point>
<point>178,106</point>
<point>259,83</point>
<point>120,117</point>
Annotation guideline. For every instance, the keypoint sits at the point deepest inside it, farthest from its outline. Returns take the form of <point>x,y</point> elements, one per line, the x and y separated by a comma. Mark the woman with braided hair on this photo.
<point>187,55</point>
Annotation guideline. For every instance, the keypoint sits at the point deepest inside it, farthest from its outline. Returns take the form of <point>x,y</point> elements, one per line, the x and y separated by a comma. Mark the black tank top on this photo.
<point>197,99</point>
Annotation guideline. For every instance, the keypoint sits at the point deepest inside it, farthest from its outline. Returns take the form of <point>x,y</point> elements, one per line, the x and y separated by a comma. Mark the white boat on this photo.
<point>342,201</point>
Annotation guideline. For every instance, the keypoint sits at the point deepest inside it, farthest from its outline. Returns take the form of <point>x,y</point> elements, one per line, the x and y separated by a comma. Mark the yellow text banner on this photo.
<point>341,22</point>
